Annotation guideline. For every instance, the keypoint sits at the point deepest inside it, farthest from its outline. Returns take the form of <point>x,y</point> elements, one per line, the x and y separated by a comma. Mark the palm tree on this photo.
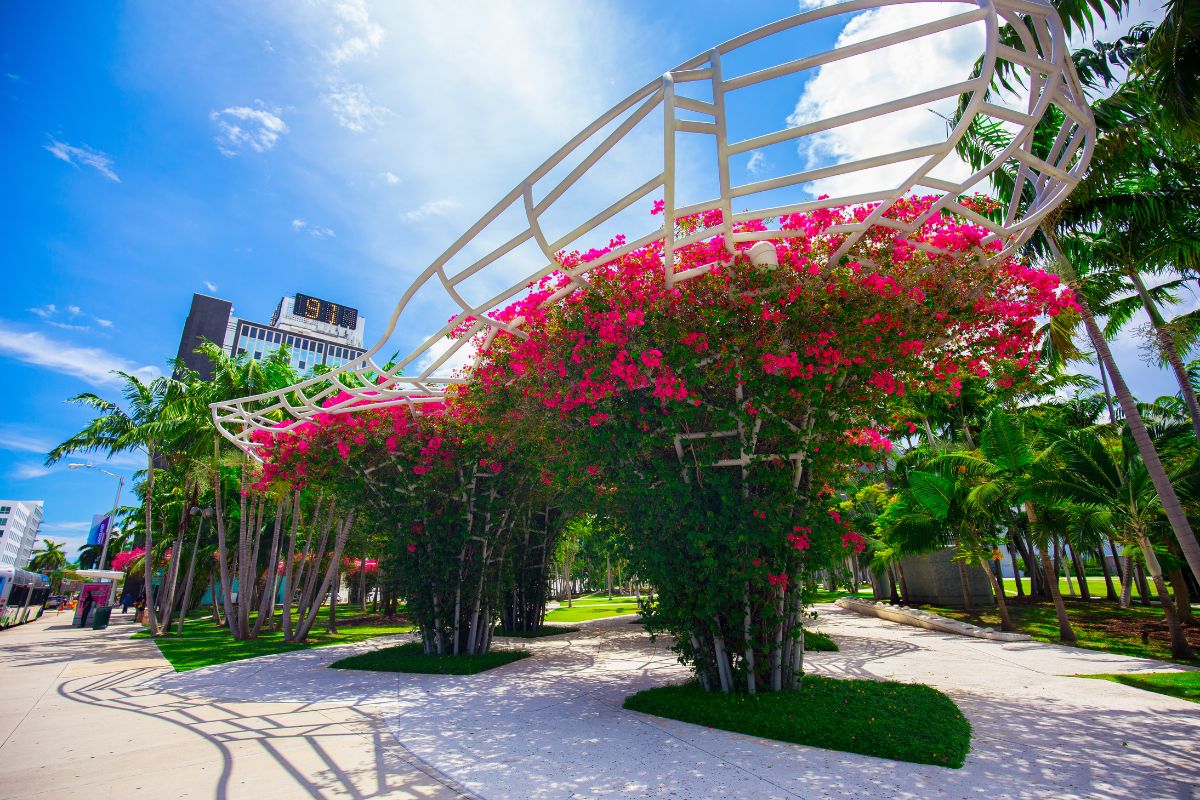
<point>1131,131</point>
<point>52,556</point>
<point>114,430</point>
<point>1112,485</point>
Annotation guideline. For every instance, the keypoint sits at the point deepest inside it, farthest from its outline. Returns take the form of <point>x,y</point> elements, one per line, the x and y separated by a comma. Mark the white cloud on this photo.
<point>74,311</point>
<point>103,323</point>
<point>66,326</point>
<point>212,287</point>
<point>757,163</point>
<point>870,79</point>
<point>389,178</point>
<point>434,208</point>
<point>28,471</point>
<point>355,34</point>
<point>90,364</point>
<point>45,312</point>
<point>240,128</point>
<point>316,231</point>
<point>353,107</point>
<point>87,156</point>
<point>23,441</point>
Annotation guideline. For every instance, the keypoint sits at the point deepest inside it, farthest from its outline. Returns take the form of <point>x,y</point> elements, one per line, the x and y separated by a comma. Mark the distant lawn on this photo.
<point>545,630</point>
<point>411,657</point>
<point>901,721</point>
<point>825,596</point>
<point>203,644</point>
<point>1184,685</point>
<point>1095,586</point>
<point>1098,626</point>
<point>593,606</point>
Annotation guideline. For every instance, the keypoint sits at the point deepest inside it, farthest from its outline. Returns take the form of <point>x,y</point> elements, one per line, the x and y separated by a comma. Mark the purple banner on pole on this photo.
<point>99,530</point>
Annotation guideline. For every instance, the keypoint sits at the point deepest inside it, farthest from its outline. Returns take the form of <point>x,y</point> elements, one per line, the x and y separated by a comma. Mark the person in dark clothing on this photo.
<point>126,602</point>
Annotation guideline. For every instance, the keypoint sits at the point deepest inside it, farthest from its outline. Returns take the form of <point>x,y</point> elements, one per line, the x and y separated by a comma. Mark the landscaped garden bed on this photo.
<point>411,657</point>
<point>901,721</point>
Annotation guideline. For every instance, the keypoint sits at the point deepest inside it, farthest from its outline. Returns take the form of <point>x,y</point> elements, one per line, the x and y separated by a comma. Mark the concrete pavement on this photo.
<point>81,718</point>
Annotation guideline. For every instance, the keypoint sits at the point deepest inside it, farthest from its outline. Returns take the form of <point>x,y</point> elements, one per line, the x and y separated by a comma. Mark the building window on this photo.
<point>301,365</point>
<point>5,509</point>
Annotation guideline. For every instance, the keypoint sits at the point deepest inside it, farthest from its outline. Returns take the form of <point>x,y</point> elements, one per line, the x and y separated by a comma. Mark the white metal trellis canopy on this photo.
<point>698,98</point>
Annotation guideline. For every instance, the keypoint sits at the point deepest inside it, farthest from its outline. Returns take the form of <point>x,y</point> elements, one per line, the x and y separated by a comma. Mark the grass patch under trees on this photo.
<point>818,642</point>
<point>1099,625</point>
<point>537,633</point>
<point>1184,685</point>
<point>411,657</point>
<point>203,643</point>
<point>901,721</point>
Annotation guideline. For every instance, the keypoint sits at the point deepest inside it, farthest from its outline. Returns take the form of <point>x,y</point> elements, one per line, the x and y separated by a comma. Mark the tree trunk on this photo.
<point>1065,632</point>
<point>148,560</point>
<point>963,585</point>
<point>1012,557</point>
<point>1080,573</point>
<point>1108,582</point>
<point>1183,595</point>
<point>1126,581</point>
<point>222,543</point>
<point>1179,644</point>
<point>266,603</point>
<point>187,584</point>
<point>998,589</point>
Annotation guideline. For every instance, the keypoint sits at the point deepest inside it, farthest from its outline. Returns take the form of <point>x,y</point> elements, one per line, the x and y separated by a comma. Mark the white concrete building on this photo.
<point>20,522</point>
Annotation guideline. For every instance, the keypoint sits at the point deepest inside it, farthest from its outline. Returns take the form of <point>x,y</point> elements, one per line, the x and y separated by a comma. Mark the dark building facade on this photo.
<point>314,331</point>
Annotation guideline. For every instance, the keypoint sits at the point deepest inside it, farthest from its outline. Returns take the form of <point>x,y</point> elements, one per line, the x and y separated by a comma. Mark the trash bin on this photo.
<point>100,618</point>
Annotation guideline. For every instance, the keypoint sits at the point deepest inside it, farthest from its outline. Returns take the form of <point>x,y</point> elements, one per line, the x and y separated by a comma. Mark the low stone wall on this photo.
<point>923,619</point>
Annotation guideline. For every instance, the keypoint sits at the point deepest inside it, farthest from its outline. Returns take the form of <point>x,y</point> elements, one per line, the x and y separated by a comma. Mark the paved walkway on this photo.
<point>82,717</point>
<point>552,726</point>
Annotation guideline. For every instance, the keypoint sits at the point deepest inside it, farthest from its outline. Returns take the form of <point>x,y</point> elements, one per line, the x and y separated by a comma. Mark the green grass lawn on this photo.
<point>901,721</point>
<point>1184,685</point>
<point>824,596</point>
<point>593,606</point>
<point>819,642</point>
<point>203,644</point>
<point>1098,626</point>
<point>411,657</point>
<point>545,630</point>
<point>1095,586</point>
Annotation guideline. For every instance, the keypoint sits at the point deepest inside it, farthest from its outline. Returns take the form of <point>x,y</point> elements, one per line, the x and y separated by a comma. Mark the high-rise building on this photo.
<point>20,522</point>
<point>315,331</point>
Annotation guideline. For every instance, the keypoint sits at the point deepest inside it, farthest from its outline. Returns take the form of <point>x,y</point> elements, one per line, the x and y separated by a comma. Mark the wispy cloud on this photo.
<point>241,128</point>
<point>353,107</point>
<point>23,441</point>
<point>757,163</point>
<point>91,364</point>
<point>434,208</point>
<point>28,471</point>
<point>65,527</point>
<point>354,33</point>
<point>316,231</point>
<point>212,287</point>
<point>67,319</point>
<point>85,156</point>
<point>389,178</point>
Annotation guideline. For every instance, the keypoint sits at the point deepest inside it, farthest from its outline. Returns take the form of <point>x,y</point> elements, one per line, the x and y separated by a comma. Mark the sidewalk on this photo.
<point>79,720</point>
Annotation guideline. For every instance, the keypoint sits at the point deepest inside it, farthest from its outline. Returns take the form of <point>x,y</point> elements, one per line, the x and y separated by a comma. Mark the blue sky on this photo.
<point>152,150</point>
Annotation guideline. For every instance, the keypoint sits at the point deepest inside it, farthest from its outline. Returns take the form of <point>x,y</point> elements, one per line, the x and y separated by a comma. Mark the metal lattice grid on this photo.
<point>697,98</point>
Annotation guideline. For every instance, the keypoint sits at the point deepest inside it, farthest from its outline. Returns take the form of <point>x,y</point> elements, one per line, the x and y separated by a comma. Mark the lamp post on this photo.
<point>116,505</point>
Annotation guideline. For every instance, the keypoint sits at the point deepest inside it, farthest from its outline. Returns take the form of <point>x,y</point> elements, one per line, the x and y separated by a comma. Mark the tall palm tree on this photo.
<point>1111,482</point>
<point>115,430</point>
<point>52,556</point>
<point>1131,127</point>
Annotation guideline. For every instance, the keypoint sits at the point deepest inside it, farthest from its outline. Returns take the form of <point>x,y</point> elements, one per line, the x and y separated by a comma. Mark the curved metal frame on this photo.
<point>1050,80</point>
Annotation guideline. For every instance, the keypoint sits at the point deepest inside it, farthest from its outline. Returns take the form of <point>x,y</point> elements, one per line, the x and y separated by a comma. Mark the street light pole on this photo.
<point>112,518</point>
